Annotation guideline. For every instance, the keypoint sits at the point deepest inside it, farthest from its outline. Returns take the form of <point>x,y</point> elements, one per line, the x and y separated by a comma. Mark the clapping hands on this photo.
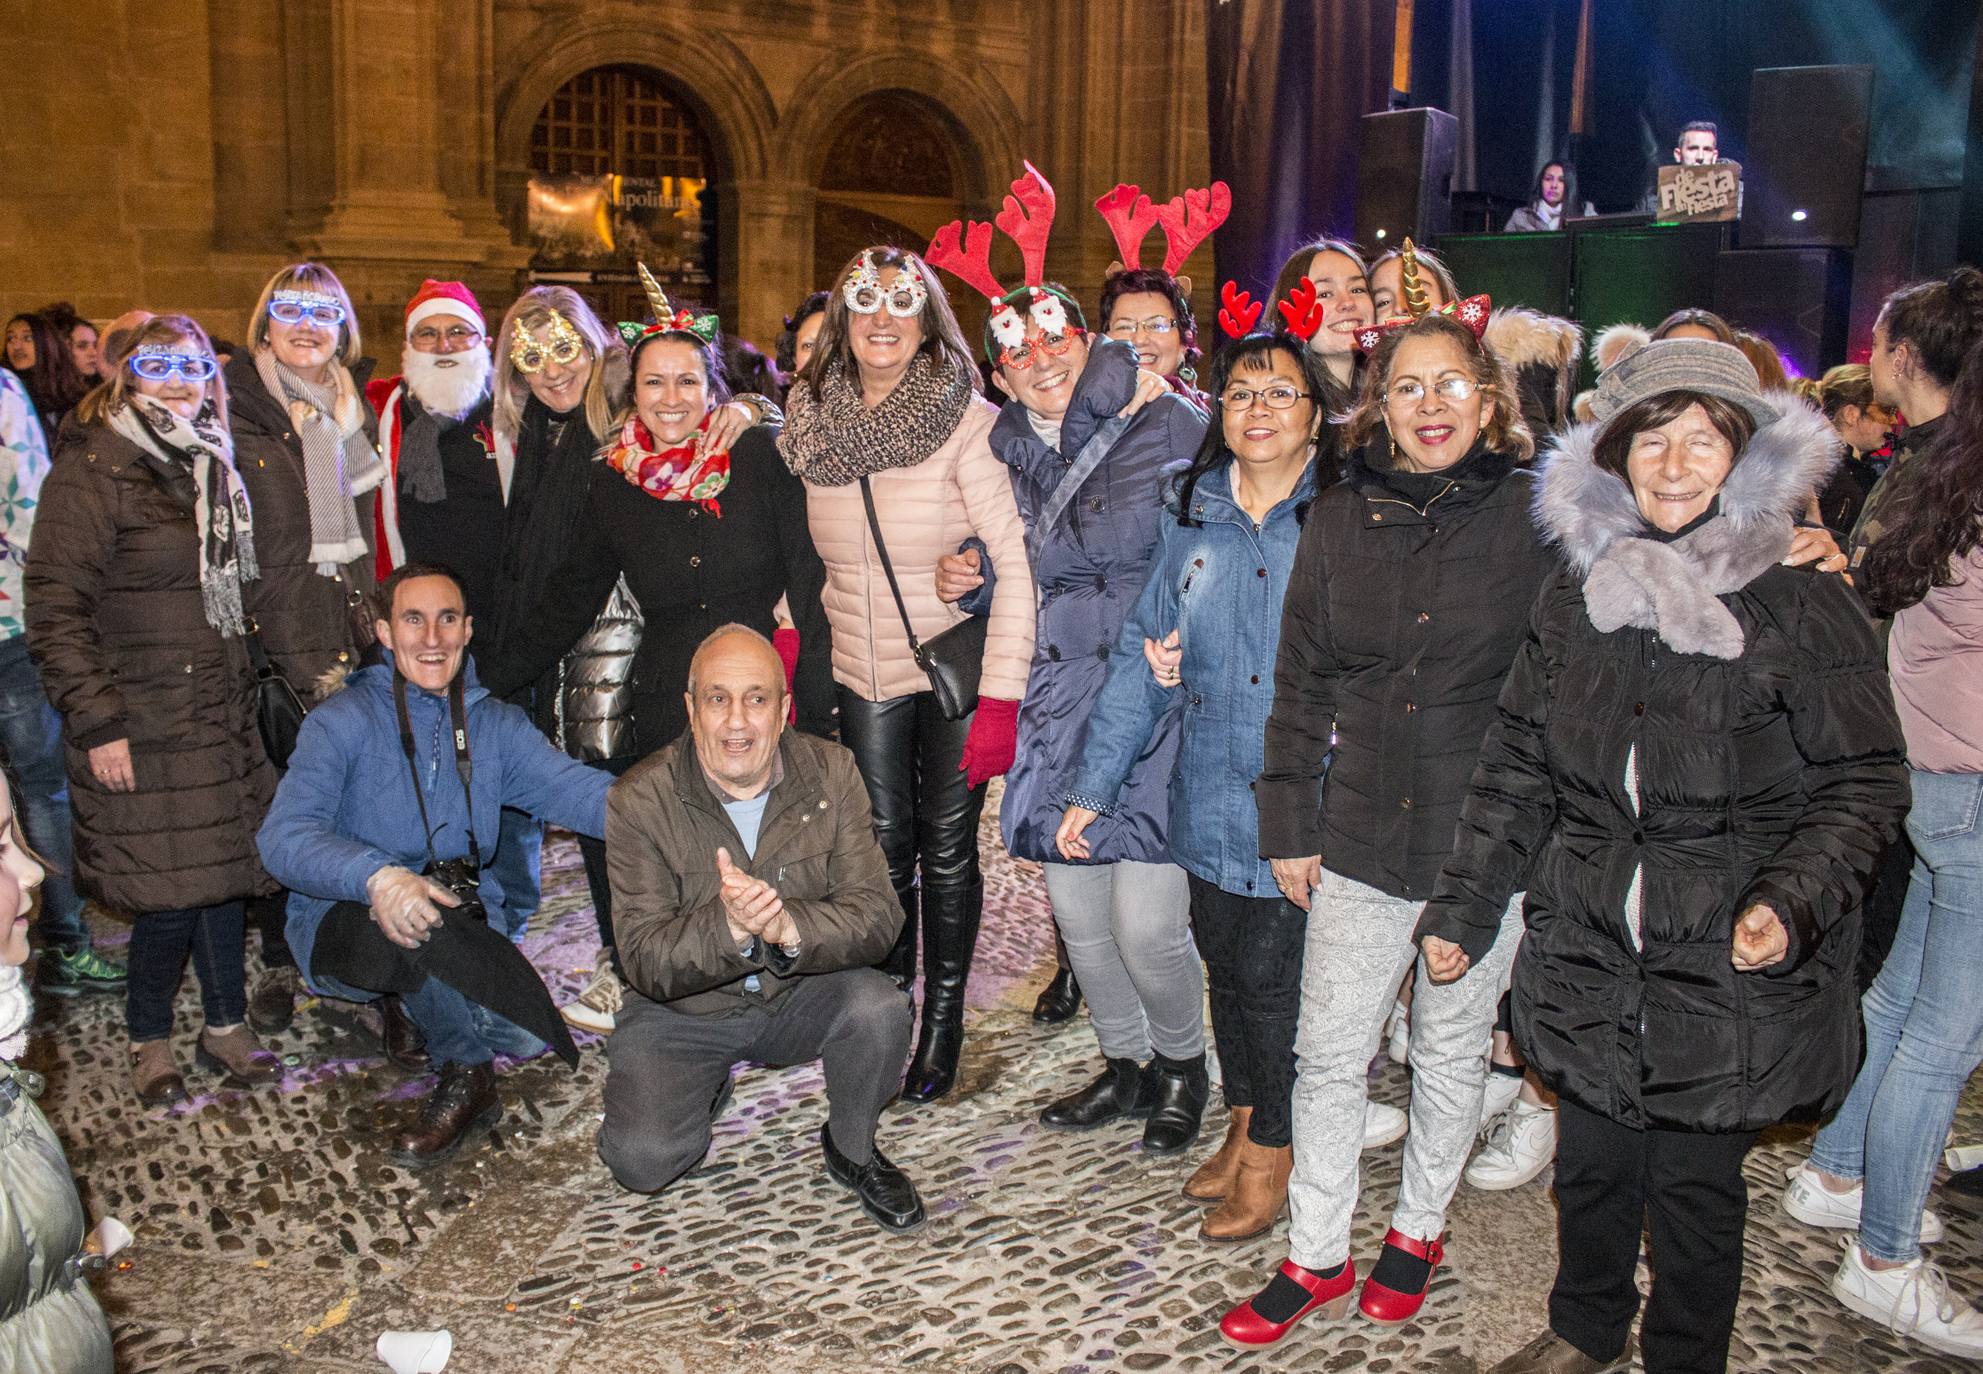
<point>752,906</point>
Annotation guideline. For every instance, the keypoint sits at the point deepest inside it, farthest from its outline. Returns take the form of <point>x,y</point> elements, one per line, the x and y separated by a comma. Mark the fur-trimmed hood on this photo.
<point>1522,337</point>
<point>1629,579</point>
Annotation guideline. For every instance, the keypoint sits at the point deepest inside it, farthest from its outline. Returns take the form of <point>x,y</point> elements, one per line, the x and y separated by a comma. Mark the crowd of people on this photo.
<point>1349,672</point>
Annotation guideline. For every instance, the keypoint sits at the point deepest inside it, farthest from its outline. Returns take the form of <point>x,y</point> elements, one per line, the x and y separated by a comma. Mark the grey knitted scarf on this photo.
<point>339,461</point>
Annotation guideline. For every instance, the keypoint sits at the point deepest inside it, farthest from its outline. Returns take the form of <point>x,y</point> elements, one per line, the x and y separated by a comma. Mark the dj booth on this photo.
<point>1611,268</point>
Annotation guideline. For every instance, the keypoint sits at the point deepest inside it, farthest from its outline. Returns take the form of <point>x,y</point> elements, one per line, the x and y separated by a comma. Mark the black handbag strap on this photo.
<point>888,568</point>
<point>464,766</point>
<point>258,657</point>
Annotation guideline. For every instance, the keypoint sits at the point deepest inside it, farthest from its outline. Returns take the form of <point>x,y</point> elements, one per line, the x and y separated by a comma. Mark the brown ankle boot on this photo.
<point>155,1074</point>
<point>1213,1180</point>
<point>464,1098</point>
<point>1259,1193</point>
<point>238,1057</point>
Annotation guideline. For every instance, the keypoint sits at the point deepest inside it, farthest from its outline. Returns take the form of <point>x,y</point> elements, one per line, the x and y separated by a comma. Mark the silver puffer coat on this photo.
<point>49,1319</point>
<point>595,683</point>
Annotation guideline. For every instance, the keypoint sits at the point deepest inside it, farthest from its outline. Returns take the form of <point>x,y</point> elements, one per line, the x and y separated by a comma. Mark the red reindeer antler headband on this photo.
<point>964,251</point>
<point>1301,313</point>
<point>1188,220</point>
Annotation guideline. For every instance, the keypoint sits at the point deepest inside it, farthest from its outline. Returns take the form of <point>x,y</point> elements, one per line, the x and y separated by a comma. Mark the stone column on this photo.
<point>770,265</point>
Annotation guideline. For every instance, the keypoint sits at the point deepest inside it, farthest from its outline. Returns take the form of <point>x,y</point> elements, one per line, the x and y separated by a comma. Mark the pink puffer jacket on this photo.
<point>926,511</point>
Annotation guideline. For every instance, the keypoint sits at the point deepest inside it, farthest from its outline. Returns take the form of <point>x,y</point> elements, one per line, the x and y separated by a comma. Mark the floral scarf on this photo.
<point>833,439</point>
<point>670,474</point>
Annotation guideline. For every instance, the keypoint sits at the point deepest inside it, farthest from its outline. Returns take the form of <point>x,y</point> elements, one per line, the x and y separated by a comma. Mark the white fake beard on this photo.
<point>450,384</point>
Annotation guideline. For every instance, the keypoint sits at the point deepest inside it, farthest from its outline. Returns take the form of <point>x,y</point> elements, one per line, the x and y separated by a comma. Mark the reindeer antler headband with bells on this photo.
<point>1471,312</point>
<point>964,251</point>
<point>667,319</point>
<point>1188,220</point>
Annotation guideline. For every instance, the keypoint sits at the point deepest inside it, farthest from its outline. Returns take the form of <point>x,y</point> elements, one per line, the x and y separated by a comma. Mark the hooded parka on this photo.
<point>1091,505</point>
<point>1690,729</point>
<point>118,628</point>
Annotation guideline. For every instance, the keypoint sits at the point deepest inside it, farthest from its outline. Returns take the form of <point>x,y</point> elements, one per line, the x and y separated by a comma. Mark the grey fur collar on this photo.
<point>1675,589</point>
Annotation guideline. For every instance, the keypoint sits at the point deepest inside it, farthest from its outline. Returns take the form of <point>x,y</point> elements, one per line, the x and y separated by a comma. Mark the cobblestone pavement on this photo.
<point>273,1232</point>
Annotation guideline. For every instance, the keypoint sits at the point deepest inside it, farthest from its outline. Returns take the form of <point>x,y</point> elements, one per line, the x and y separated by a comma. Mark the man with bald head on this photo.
<point>751,902</point>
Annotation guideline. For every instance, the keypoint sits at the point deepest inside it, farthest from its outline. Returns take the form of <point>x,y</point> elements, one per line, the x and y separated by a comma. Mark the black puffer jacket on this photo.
<point>1399,625</point>
<point>1747,704</point>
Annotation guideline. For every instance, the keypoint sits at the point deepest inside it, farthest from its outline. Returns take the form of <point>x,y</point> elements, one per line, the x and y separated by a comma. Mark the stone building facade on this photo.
<point>173,158</point>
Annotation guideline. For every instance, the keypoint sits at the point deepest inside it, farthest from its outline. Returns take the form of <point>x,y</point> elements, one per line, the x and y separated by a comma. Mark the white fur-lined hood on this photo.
<point>1582,509</point>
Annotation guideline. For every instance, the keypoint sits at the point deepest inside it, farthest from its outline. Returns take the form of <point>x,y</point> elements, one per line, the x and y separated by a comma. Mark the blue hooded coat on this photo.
<point>1092,508</point>
<point>346,809</point>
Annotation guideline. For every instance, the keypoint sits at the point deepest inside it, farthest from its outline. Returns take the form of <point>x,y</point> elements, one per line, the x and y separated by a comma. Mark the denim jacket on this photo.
<point>1219,583</point>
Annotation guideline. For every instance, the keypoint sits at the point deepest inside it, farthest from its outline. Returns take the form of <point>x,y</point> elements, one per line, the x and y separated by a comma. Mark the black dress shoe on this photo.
<point>884,1190</point>
<point>405,1046</point>
<point>464,1098</point>
<point>1178,1090</point>
<point>272,1005</point>
<point>1059,1000</point>
<point>1124,1089</point>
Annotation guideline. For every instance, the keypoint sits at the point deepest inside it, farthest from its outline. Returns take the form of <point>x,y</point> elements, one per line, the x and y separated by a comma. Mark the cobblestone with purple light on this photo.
<point>275,1234</point>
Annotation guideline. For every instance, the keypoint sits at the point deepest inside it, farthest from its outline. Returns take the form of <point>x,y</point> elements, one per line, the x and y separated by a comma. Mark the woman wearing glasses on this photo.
<point>1409,597</point>
<point>889,405</point>
<point>1212,599</point>
<point>1147,308</point>
<point>304,442</point>
<point>145,551</point>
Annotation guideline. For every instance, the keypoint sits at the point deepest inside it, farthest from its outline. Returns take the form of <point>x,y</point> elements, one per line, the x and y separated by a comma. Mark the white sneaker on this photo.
<point>596,1007</point>
<point>1810,1202</point>
<point>1382,1125</point>
<point>1519,1146</point>
<point>1497,1097</point>
<point>1398,1033</point>
<point>1913,1300</point>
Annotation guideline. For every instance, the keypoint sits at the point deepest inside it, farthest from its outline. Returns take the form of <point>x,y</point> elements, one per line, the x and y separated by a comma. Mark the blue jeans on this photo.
<point>31,741</point>
<point>160,942</point>
<point>517,866</point>
<point>1924,1023</point>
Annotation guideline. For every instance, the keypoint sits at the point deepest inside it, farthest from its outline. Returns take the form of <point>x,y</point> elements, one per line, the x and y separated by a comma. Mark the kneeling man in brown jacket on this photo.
<point>751,902</point>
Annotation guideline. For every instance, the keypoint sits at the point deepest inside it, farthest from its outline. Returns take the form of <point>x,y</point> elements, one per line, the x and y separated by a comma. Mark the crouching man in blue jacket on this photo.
<point>382,830</point>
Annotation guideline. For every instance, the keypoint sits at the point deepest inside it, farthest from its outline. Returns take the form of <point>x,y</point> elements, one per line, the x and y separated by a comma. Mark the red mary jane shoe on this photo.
<point>1244,1326</point>
<point>1389,1306</point>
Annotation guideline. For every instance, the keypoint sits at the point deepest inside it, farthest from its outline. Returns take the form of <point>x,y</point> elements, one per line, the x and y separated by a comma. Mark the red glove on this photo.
<point>994,737</point>
<point>786,641</point>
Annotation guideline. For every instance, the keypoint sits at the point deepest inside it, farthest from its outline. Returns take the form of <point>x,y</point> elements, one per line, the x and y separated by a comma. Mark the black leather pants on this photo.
<point>926,819</point>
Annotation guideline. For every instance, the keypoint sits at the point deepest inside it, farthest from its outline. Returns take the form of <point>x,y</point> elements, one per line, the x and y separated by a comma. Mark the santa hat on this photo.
<point>443,298</point>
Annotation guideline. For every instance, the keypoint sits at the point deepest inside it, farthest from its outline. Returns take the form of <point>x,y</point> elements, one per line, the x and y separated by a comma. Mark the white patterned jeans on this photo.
<point>1359,946</point>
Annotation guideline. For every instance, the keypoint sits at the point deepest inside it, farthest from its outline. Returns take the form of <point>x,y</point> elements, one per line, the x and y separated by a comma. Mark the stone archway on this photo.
<point>705,71</point>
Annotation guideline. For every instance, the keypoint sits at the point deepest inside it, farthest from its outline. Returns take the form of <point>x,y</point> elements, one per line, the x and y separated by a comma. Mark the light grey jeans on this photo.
<point>1127,927</point>
<point>1359,945</point>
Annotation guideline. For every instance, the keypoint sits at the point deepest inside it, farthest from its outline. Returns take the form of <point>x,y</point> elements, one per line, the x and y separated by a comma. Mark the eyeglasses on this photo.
<point>428,339</point>
<point>1274,397</point>
<point>1159,325</point>
<point>157,367</point>
<point>320,311</point>
<point>1453,389</point>
<point>1051,346</point>
<point>532,358</point>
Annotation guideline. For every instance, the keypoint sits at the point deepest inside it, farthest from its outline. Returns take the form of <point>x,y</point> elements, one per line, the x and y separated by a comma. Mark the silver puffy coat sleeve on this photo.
<point>595,683</point>
<point>50,1322</point>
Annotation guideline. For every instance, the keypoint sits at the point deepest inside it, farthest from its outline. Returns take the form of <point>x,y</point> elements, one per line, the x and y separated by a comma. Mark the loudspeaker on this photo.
<point>1404,176</point>
<point>1797,298</point>
<point>1643,275</point>
<point>1806,170</point>
<point>1515,269</point>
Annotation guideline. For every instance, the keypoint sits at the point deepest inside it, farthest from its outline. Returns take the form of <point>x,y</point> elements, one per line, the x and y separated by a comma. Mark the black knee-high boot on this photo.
<point>950,936</point>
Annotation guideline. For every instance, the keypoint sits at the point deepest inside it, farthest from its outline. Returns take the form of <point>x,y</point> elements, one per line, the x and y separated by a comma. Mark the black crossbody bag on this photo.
<point>954,659</point>
<point>279,711</point>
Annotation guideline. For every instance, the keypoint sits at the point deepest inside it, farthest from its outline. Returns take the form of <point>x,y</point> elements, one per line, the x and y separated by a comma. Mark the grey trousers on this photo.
<point>665,1068</point>
<point>1359,946</point>
<point>1127,927</point>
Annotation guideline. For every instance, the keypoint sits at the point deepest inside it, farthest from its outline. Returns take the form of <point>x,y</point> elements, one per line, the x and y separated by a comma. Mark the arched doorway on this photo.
<point>890,175</point>
<point>620,173</point>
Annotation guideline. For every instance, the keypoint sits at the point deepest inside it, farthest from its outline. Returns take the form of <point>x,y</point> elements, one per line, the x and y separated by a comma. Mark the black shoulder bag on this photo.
<point>953,659</point>
<point>279,711</point>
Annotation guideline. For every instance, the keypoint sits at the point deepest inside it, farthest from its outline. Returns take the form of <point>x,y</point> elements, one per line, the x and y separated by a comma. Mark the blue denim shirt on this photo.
<point>1220,584</point>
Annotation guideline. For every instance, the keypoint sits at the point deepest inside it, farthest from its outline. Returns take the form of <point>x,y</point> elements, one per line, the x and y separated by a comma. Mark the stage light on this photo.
<point>1381,233</point>
<point>1799,216</point>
